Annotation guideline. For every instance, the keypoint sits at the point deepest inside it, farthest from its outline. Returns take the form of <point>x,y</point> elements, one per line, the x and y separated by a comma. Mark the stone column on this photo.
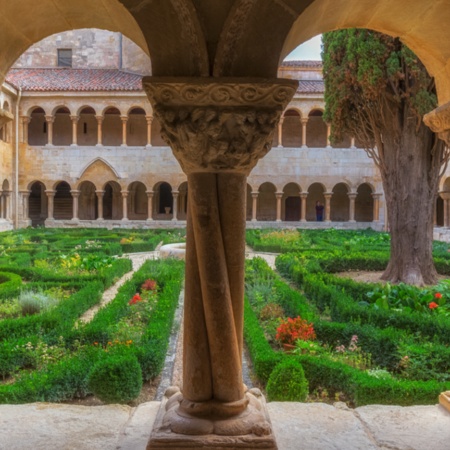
<point>149,205</point>
<point>217,131</point>
<point>25,121</point>
<point>327,196</point>
<point>280,132</point>
<point>328,135</point>
<point>124,120</point>
<point>376,207</point>
<point>74,130</point>
<point>254,205</point>
<point>2,205</point>
<point>49,120</point>
<point>175,205</point>
<point>279,196</point>
<point>7,195</point>
<point>75,195</point>
<point>303,196</point>
<point>100,204</point>
<point>149,120</point>
<point>352,143</point>
<point>304,123</point>
<point>124,205</point>
<point>50,198</point>
<point>99,130</point>
<point>25,198</point>
<point>352,197</point>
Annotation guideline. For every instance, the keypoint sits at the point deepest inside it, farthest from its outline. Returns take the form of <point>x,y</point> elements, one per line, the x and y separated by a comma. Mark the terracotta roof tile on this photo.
<point>311,87</point>
<point>59,79</point>
<point>302,63</point>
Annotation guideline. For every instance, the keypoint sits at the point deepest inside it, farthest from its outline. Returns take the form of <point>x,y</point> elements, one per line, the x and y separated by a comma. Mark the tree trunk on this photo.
<point>410,167</point>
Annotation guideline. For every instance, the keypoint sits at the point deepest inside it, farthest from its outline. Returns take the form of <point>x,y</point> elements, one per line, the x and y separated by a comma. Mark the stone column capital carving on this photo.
<point>75,192</point>
<point>218,124</point>
<point>50,192</point>
<point>99,118</point>
<point>438,121</point>
<point>74,119</point>
<point>304,120</point>
<point>49,118</point>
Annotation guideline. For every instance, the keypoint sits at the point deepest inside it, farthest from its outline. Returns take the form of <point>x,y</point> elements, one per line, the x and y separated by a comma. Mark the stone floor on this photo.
<point>297,426</point>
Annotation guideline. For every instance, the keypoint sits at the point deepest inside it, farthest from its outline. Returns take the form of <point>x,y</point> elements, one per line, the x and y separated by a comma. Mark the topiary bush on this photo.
<point>116,379</point>
<point>287,382</point>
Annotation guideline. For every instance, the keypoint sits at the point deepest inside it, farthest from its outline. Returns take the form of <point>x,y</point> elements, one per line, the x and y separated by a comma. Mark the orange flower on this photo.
<point>136,298</point>
<point>433,305</point>
<point>438,295</point>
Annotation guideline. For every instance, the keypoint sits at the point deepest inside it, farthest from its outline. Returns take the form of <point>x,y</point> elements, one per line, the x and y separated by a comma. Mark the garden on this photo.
<point>49,279</point>
<point>315,335</point>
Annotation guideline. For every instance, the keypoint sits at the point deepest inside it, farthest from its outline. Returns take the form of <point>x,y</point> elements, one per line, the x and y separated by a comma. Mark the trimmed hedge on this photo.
<point>10,284</point>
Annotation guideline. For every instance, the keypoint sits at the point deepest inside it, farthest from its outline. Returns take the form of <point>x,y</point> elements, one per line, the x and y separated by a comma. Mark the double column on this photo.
<point>216,145</point>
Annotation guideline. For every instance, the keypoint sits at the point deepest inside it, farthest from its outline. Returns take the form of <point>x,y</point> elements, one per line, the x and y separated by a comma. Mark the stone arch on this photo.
<point>37,127</point>
<point>136,127</point>
<point>87,201</point>
<point>364,203</point>
<point>292,128</point>
<point>315,193</point>
<point>137,201</point>
<point>267,203</point>
<point>62,202</point>
<point>100,171</point>
<point>112,201</point>
<point>316,129</point>
<point>163,200</point>
<point>291,202</point>
<point>87,126</point>
<point>5,185</point>
<point>37,203</point>
<point>340,203</point>
<point>62,126</point>
<point>112,126</point>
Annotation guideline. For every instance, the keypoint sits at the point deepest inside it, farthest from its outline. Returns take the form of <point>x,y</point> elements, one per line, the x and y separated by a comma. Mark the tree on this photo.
<point>377,90</point>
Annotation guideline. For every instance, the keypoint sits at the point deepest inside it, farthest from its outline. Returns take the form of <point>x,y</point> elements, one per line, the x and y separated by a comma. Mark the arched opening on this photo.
<point>182,201</point>
<point>63,202</point>
<point>137,128</point>
<point>37,128</point>
<point>5,130</point>
<point>164,201</point>
<point>340,204</point>
<point>267,203</point>
<point>439,212</point>
<point>112,201</point>
<point>292,129</point>
<point>292,203</point>
<point>37,204</point>
<point>364,203</point>
<point>112,127</point>
<point>137,201</point>
<point>316,130</point>
<point>62,127</point>
<point>87,202</point>
<point>315,194</point>
<point>87,127</point>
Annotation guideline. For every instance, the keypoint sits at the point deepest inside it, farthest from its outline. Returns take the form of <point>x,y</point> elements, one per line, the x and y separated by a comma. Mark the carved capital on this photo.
<point>221,125</point>
<point>438,121</point>
<point>5,117</point>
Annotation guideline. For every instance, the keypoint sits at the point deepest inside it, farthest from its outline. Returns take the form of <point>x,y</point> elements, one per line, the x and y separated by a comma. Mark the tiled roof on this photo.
<point>311,87</point>
<point>303,63</point>
<point>59,79</point>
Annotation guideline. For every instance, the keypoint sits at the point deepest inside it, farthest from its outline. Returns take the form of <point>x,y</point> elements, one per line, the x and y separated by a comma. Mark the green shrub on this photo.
<point>287,382</point>
<point>35,302</point>
<point>116,379</point>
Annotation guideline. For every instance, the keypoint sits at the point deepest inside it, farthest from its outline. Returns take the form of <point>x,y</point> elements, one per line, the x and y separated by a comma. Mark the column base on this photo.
<point>444,400</point>
<point>352,221</point>
<point>249,429</point>
<point>125,219</point>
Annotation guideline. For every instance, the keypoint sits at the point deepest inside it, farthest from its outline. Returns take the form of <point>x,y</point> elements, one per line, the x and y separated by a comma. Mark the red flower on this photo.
<point>293,329</point>
<point>438,295</point>
<point>136,298</point>
<point>149,285</point>
<point>433,305</point>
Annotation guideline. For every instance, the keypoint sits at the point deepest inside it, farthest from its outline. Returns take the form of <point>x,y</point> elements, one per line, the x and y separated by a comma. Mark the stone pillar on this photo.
<point>352,197</point>
<point>254,205</point>
<point>328,135</point>
<point>303,196</point>
<point>352,143</point>
<point>25,198</point>
<point>25,121</point>
<point>175,205</point>
<point>7,195</point>
<point>217,145</point>
<point>280,132</point>
<point>49,120</point>
<point>75,195</point>
<point>376,207</point>
<point>2,205</point>
<point>149,120</point>
<point>279,196</point>
<point>304,123</point>
<point>124,120</point>
<point>327,196</point>
<point>99,130</point>
<point>50,198</point>
<point>149,206</point>
<point>100,204</point>
<point>74,130</point>
<point>124,205</point>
